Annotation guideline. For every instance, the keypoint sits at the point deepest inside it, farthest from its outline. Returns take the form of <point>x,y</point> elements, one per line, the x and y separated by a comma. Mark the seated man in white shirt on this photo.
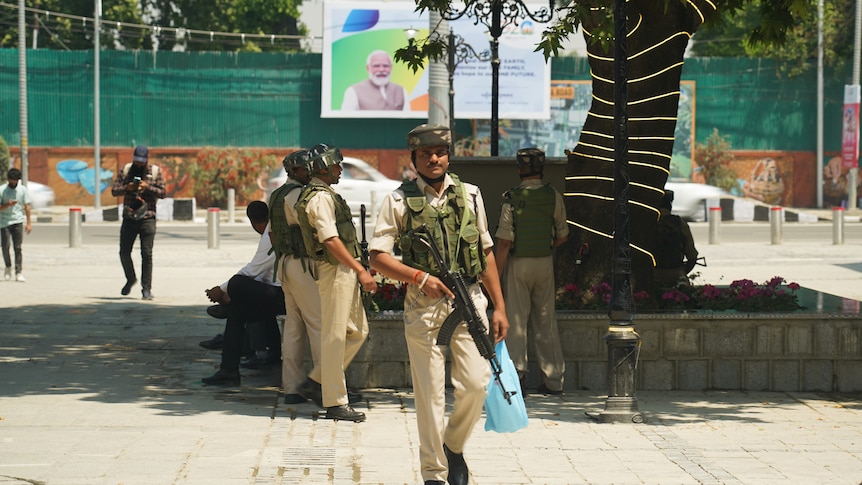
<point>252,298</point>
<point>377,92</point>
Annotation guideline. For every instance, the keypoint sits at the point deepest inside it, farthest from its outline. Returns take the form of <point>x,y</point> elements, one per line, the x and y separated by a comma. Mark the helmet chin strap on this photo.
<point>433,181</point>
<point>531,173</point>
<point>428,180</point>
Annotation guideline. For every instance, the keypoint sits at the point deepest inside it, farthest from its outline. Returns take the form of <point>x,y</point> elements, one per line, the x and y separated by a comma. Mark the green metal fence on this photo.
<point>273,100</point>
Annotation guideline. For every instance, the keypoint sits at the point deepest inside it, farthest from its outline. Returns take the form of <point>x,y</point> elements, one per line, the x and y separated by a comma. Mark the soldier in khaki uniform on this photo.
<point>455,214</point>
<point>532,224</point>
<point>301,298</point>
<point>330,238</point>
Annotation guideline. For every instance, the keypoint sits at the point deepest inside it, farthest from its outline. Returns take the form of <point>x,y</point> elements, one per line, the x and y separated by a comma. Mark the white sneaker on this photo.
<point>20,278</point>
<point>8,274</point>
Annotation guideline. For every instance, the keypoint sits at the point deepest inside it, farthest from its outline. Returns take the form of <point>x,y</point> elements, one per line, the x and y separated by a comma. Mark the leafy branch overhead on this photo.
<point>595,18</point>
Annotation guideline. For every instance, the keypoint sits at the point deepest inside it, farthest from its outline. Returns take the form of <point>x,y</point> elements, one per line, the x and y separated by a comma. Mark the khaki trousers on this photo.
<point>470,372</point>
<point>301,324</point>
<point>344,328</point>
<point>530,300</point>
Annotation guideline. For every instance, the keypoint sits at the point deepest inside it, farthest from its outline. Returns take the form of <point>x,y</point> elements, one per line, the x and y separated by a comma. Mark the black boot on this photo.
<point>223,378</point>
<point>458,472</point>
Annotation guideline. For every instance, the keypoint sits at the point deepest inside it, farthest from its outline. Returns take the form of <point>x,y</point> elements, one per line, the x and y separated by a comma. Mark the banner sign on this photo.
<point>361,80</point>
<point>850,127</point>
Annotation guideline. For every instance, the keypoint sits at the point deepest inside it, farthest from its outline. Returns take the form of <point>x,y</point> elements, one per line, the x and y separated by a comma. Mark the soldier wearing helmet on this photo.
<point>293,267</point>
<point>532,223</point>
<point>455,215</point>
<point>330,240</point>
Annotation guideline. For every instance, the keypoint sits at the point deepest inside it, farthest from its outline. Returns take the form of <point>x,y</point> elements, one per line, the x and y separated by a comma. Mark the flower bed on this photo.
<point>741,295</point>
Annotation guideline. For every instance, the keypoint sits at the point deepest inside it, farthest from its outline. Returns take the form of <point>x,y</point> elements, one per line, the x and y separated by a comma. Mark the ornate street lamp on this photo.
<point>497,15</point>
<point>622,340</point>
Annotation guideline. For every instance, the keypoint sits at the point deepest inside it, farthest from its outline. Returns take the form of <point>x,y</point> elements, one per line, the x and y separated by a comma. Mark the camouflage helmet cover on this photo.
<point>531,158</point>
<point>428,135</point>
<point>322,156</point>
<point>295,160</point>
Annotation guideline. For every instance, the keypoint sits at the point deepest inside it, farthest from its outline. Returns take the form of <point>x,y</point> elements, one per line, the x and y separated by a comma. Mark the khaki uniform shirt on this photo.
<point>392,221</point>
<point>321,214</point>
<point>506,227</point>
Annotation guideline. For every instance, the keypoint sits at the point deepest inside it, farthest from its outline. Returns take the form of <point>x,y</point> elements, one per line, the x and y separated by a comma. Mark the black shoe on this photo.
<point>294,399</point>
<point>223,378</point>
<point>255,362</point>
<point>543,389</point>
<point>217,311</point>
<point>147,294</point>
<point>215,343</point>
<point>310,390</point>
<point>344,413</point>
<point>458,472</point>
<point>128,288</point>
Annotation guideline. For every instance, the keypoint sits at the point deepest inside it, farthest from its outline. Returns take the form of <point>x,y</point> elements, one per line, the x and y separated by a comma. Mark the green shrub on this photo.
<point>5,159</point>
<point>218,169</point>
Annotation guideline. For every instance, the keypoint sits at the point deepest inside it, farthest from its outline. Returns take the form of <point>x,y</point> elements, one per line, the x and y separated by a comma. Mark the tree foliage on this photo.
<point>772,22</point>
<point>714,158</point>
<point>55,32</point>
<point>143,18</point>
<point>727,38</point>
<point>5,158</point>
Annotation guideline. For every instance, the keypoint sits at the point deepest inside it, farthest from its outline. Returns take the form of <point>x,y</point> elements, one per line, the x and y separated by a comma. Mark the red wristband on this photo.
<point>416,276</point>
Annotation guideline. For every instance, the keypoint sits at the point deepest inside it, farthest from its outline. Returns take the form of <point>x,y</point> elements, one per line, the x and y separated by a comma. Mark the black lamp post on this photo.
<point>459,51</point>
<point>497,15</point>
<point>622,340</point>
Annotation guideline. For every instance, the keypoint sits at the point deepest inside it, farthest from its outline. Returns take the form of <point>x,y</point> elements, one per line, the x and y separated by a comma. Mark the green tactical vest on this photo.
<point>533,220</point>
<point>457,239</point>
<point>287,238</point>
<point>343,223</point>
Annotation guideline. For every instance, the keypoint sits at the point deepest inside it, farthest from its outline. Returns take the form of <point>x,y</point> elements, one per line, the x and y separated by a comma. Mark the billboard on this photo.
<point>361,80</point>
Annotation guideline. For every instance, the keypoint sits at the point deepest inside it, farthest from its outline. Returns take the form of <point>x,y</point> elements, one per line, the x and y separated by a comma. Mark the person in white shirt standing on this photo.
<point>14,221</point>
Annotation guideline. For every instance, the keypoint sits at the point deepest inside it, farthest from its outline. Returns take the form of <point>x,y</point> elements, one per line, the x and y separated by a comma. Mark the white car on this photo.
<point>360,183</point>
<point>692,200</point>
<point>41,196</point>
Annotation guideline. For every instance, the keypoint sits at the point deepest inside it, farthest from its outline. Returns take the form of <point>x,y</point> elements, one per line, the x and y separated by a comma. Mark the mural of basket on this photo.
<point>765,182</point>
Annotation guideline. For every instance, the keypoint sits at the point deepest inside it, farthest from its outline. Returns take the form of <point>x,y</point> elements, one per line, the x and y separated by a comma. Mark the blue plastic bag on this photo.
<point>500,415</point>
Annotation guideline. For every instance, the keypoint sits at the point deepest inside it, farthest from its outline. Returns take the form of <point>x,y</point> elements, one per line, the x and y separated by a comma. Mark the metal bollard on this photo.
<point>231,206</point>
<point>776,223</point>
<point>75,219</point>
<point>213,215</point>
<point>714,225</point>
<point>837,225</point>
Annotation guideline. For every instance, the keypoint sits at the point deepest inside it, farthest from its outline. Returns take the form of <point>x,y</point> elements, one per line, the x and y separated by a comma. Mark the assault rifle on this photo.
<point>464,311</point>
<point>367,301</point>
<point>363,245</point>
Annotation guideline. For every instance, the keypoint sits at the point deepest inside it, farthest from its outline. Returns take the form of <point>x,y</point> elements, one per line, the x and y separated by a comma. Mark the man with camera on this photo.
<point>140,184</point>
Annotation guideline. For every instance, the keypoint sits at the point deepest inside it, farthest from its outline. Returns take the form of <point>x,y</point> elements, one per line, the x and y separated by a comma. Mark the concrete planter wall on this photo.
<point>758,352</point>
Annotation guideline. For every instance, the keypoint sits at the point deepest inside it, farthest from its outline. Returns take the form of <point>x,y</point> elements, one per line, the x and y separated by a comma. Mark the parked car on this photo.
<point>691,200</point>
<point>360,183</point>
<point>41,195</point>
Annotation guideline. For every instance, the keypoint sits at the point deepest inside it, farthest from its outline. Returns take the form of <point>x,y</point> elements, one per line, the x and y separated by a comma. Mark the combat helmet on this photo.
<point>531,161</point>
<point>428,135</point>
<point>322,156</point>
<point>297,159</point>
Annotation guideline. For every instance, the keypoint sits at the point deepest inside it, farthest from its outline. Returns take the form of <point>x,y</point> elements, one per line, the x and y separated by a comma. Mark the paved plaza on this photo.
<point>97,388</point>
